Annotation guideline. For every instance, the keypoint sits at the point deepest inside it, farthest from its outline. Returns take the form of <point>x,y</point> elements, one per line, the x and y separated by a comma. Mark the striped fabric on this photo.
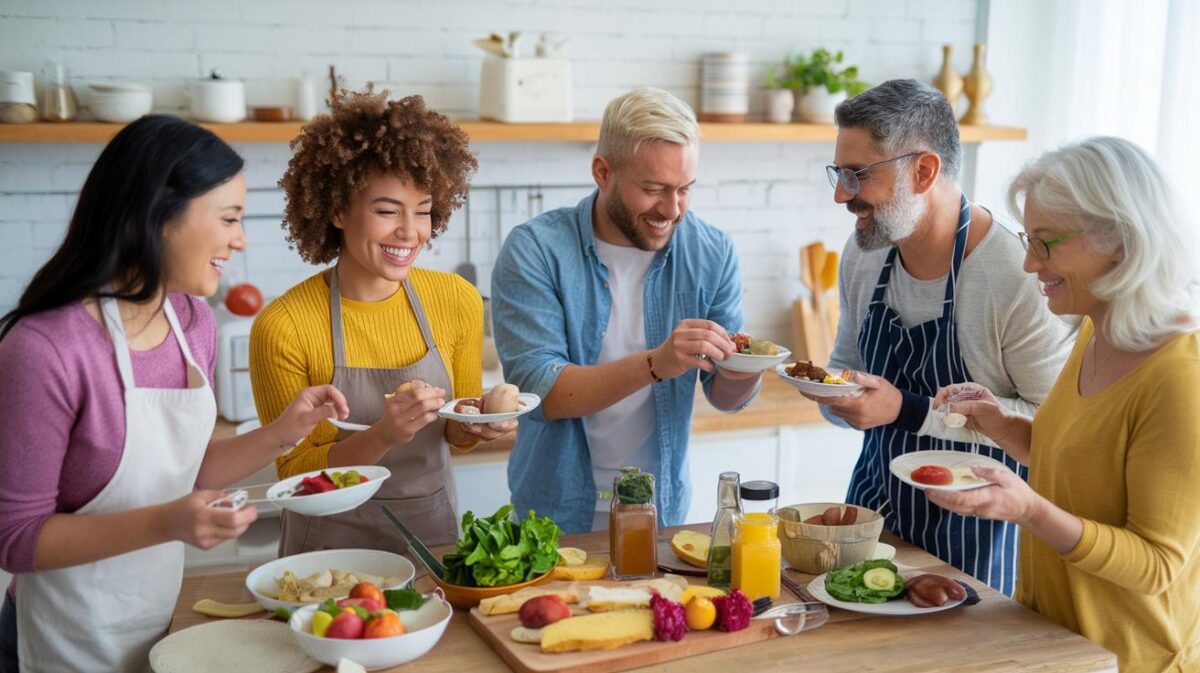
<point>921,360</point>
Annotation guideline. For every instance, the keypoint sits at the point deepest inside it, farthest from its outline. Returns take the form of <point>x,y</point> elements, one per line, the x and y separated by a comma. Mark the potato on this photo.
<point>850,515</point>
<point>501,399</point>
<point>832,516</point>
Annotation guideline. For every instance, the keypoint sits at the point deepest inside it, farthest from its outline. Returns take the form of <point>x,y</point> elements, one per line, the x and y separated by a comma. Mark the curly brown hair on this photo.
<point>366,134</point>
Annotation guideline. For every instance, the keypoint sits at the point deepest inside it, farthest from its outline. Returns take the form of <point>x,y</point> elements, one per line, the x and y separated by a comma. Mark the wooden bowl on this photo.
<point>815,549</point>
<point>272,114</point>
<point>468,597</point>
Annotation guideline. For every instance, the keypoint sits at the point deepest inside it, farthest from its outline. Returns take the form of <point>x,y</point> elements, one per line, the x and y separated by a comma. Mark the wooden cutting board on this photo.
<point>529,658</point>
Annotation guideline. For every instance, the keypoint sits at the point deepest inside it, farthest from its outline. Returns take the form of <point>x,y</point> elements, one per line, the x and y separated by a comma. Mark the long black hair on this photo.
<point>143,179</point>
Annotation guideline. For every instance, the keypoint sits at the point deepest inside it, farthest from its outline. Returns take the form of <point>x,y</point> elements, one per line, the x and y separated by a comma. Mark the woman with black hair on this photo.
<point>108,409</point>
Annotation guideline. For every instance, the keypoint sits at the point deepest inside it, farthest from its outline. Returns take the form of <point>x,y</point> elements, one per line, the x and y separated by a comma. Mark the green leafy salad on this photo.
<point>496,551</point>
<point>875,581</point>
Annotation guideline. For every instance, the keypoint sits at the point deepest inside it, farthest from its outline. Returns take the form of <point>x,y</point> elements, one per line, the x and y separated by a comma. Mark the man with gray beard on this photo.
<point>932,293</point>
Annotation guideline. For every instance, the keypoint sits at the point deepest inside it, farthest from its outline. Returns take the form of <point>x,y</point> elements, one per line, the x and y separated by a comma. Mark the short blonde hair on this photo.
<point>1119,196</point>
<point>644,115</point>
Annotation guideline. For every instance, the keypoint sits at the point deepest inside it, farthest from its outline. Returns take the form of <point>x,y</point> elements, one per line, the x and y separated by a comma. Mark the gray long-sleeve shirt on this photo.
<point>1011,343</point>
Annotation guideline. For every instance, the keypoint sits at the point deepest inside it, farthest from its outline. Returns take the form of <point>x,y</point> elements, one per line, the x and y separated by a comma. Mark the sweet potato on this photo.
<point>815,520</point>
<point>850,515</point>
<point>832,516</point>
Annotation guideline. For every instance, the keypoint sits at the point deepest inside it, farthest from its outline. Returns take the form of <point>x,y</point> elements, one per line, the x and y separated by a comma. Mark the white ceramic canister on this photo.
<point>214,99</point>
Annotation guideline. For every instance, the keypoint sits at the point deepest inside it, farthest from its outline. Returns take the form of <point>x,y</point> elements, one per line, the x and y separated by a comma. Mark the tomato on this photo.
<point>935,475</point>
<point>384,624</point>
<point>243,299</point>
<point>368,590</point>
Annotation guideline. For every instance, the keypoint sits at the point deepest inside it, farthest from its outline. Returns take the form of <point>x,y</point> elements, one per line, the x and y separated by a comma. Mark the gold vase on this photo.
<point>948,81</point>
<point>977,86</point>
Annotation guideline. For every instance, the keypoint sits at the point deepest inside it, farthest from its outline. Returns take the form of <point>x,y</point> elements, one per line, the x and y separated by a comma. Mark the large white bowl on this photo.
<point>330,502</point>
<point>261,582</point>
<point>423,627</point>
<point>120,103</point>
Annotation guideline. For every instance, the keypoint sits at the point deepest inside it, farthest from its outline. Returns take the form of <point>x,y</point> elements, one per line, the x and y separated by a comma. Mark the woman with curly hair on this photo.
<point>368,186</point>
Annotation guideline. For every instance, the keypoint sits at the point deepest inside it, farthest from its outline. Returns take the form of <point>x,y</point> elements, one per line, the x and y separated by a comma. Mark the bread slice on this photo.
<point>603,631</point>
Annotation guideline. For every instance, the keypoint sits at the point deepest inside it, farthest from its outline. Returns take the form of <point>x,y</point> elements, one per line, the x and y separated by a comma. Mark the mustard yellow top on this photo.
<point>1127,461</point>
<point>291,347</point>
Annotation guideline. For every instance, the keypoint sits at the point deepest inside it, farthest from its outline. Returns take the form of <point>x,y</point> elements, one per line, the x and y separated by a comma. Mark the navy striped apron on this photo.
<point>923,359</point>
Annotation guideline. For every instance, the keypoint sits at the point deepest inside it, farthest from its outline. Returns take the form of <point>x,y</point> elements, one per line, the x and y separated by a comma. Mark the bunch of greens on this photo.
<point>846,584</point>
<point>496,551</point>
<point>823,68</point>
<point>635,487</point>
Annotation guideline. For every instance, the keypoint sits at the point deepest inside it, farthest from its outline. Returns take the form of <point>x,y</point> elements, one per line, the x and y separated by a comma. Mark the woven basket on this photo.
<point>815,549</point>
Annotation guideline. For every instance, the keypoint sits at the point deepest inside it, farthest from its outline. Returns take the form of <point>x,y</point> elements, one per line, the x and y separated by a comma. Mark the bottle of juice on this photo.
<point>633,526</point>
<point>756,553</point>
<point>729,505</point>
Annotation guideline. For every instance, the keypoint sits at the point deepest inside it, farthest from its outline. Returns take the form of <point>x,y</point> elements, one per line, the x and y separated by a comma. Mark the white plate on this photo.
<point>345,425</point>
<point>884,551</point>
<point>958,462</point>
<point>232,646</point>
<point>330,502</point>
<point>817,389</point>
<point>740,362</point>
<point>263,583</point>
<point>528,402</point>
<point>423,628</point>
<point>893,608</point>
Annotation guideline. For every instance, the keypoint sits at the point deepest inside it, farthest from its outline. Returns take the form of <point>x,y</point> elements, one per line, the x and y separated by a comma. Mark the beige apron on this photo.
<point>421,489</point>
<point>105,615</point>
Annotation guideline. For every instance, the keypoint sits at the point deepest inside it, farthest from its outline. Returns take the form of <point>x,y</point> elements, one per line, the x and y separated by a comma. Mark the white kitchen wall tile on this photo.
<point>154,35</point>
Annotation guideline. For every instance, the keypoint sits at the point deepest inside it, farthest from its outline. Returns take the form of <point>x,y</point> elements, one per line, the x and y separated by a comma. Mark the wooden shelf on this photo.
<point>479,131</point>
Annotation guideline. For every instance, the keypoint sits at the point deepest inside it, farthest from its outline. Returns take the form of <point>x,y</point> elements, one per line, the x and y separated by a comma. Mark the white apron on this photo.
<point>105,616</point>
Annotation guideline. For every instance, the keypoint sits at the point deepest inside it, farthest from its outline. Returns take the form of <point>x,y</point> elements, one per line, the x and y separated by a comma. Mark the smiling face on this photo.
<point>1066,276</point>
<point>645,199</point>
<point>199,242</point>
<point>887,207</point>
<point>384,229</point>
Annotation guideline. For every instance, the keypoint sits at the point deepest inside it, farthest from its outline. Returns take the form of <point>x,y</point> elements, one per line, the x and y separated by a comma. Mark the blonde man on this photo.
<point>610,310</point>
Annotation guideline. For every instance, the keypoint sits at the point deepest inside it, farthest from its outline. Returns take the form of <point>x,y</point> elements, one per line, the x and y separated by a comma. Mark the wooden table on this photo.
<point>995,635</point>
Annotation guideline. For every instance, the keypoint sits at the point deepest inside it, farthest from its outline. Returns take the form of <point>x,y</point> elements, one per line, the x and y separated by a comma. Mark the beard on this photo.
<point>626,222</point>
<point>893,221</point>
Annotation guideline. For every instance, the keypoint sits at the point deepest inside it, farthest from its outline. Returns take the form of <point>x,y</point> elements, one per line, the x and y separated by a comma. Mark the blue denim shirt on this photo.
<point>550,308</point>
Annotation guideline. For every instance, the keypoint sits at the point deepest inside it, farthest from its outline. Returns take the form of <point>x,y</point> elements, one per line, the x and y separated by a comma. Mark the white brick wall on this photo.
<point>771,197</point>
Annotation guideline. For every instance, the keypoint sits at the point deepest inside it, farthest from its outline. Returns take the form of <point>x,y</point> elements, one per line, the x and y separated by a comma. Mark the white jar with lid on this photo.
<point>18,104</point>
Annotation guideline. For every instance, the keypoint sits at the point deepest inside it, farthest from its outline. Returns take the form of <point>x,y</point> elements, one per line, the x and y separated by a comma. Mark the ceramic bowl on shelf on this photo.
<point>119,102</point>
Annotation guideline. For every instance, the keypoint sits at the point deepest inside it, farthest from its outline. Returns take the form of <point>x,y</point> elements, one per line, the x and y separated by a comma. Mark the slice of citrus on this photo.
<point>572,556</point>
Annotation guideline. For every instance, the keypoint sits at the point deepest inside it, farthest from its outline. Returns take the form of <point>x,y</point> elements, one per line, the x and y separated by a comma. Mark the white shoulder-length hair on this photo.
<point>1119,196</point>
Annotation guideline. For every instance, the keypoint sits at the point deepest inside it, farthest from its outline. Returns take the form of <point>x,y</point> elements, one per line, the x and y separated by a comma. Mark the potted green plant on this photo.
<point>821,83</point>
<point>780,99</point>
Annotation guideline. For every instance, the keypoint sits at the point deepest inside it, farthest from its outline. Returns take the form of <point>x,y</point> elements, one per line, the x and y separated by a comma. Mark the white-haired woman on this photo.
<point>1111,513</point>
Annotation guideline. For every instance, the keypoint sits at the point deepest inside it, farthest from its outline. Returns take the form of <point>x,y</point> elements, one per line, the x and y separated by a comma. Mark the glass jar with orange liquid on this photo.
<point>633,526</point>
<point>757,554</point>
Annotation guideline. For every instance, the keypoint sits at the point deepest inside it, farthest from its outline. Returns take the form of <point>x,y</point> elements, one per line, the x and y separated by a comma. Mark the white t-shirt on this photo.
<point>623,434</point>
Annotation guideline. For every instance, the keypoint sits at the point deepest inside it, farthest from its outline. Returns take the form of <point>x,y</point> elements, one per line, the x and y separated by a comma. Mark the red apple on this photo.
<point>347,625</point>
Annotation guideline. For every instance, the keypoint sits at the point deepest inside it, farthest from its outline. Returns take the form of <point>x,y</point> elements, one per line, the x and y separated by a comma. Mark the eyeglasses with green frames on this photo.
<point>1041,249</point>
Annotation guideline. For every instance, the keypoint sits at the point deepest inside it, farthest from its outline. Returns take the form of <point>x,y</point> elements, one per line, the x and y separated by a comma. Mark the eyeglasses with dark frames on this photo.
<point>849,178</point>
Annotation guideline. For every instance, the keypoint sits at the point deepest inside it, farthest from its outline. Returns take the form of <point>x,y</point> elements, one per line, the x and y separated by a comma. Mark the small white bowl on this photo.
<point>262,581</point>
<point>815,388</point>
<point>423,628</point>
<point>740,362</point>
<point>330,502</point>
<point>119,104</point>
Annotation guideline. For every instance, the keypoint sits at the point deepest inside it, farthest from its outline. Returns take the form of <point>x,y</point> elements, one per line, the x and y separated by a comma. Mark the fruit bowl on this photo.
<point>423,628</point>
<point>261,582</point>
<point>468,597</point>
<point>816,548</point>
<point>329,502</point>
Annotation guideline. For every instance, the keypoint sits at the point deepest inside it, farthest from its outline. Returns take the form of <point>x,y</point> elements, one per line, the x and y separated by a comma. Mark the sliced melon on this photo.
<point>691,547</point>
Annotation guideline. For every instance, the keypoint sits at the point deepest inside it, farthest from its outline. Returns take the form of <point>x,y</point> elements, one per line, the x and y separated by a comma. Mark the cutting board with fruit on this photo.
<point>597,626</point>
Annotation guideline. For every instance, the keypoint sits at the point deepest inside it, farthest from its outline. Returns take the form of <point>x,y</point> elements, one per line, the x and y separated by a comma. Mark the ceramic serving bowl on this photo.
<point>816,548</point>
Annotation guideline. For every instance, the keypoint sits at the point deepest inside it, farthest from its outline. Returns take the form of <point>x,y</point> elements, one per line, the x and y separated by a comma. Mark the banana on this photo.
<point>211,608</point>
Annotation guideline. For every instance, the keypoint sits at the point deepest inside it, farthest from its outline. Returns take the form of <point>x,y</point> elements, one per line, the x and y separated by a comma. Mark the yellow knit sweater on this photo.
<point>1127,461</point>
<point>291,347</point>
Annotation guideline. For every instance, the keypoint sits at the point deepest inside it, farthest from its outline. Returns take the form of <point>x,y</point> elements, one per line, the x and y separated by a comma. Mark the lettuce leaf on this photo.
<point>496,551</point>
<point>846,584</point>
